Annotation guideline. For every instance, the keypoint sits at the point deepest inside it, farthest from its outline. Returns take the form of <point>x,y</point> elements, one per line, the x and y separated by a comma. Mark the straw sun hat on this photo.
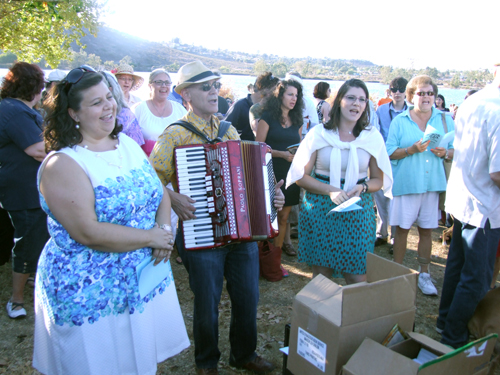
<point>127,69</point>
<point>194,72</point>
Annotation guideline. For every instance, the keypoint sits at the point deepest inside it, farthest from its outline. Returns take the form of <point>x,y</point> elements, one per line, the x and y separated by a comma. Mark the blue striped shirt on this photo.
<point>420,172</point>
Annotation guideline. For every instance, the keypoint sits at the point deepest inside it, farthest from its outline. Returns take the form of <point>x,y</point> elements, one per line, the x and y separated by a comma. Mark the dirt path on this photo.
<point>16,337</point>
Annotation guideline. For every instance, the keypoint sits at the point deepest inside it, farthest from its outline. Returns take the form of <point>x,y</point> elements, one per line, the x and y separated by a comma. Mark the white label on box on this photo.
<point>311,349</point>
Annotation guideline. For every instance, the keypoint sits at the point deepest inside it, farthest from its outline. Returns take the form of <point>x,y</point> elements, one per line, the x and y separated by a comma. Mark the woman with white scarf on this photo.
<point>333,164</point>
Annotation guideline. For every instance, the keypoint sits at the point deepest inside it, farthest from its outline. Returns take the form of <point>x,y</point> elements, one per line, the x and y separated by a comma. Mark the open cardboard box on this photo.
<point>375,359</point>
<point>329,322</point>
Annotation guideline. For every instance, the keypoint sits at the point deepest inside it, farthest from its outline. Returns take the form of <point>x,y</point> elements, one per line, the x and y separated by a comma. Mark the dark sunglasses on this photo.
<point>75,75</point>
<point>396,89</point>
<point>207,86</point>
<point>424,93</point>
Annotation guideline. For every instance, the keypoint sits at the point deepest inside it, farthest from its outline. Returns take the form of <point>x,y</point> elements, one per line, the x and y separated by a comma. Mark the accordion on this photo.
<point>233,184</point>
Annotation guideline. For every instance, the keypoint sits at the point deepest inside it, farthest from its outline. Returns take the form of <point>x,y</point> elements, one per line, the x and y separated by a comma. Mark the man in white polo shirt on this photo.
<point>473,198</point>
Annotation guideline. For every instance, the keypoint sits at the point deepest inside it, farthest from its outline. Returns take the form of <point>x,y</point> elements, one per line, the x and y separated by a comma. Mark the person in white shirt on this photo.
<point>473,198</point>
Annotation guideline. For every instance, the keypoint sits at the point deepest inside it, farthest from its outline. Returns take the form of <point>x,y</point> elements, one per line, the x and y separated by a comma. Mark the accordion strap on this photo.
<point>223,128</point>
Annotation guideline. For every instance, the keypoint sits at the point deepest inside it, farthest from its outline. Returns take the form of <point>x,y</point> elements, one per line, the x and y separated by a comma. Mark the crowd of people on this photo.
<point>88,190</point>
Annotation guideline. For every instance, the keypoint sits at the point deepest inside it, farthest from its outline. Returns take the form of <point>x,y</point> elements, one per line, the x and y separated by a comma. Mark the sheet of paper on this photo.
<point>432,134</point>
<point>448,137</point>
<point>149,276</point>
<point>311,349</point>
<point>348,205</point>
<point>285,350</point>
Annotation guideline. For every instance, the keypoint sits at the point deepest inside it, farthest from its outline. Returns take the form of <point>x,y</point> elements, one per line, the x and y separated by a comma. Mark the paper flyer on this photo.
<point>448,138</point>
<point>149,276</point>
<point>348,205</point>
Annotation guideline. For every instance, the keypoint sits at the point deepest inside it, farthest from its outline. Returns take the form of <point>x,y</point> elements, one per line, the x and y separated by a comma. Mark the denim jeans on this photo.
<point>467,279</point>
<point>239,264</point>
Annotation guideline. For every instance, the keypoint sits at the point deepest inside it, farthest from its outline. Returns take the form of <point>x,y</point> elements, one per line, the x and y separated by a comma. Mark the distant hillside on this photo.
<point>113,45</point>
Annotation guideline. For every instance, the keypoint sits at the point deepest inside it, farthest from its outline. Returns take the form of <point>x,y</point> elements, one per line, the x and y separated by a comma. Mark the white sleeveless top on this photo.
<point>151,125</point>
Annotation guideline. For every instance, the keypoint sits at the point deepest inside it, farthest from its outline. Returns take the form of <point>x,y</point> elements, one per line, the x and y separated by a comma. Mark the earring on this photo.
<point>77,126</point>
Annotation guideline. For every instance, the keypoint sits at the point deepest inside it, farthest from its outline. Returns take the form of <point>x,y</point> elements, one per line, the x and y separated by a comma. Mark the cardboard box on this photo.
<point>375,359</point>
<point>329,322</point>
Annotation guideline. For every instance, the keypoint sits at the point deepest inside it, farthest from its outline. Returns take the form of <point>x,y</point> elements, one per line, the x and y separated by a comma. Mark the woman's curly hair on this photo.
<point>335,114</point>
<point>60,130</point>
<point>273,103</point>
<point>23,81</point>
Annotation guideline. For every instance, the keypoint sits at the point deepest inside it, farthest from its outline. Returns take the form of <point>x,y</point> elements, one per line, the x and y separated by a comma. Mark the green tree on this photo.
<point>33,30</point>
<point>279,69</point>
<point>126,60</point>
<point>455,81</point>
<point>261,66</point>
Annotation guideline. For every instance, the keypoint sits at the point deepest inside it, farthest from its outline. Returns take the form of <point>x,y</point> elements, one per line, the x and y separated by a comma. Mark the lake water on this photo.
<point>239,85</point>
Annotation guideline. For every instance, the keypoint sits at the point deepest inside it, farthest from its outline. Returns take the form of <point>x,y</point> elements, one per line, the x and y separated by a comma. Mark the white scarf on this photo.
<point>318,137</point>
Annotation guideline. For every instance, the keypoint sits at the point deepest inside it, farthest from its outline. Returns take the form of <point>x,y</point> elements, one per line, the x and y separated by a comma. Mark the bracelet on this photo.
<point>406,150</point>
<point>166,227</point>
<point>365,187</point>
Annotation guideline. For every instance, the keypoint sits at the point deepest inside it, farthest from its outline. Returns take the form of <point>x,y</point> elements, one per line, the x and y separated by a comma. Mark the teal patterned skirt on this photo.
<point>339,241</point>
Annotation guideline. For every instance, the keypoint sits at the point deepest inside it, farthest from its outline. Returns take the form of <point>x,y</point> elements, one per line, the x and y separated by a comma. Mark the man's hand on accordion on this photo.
<point>279,197</point>
<point>182,205</point>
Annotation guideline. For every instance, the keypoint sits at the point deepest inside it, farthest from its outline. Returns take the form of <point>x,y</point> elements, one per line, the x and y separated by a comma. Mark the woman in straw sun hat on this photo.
<point>129,81</point>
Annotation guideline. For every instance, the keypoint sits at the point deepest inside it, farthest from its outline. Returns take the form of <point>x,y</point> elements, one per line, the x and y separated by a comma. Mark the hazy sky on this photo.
<point>440,33</point>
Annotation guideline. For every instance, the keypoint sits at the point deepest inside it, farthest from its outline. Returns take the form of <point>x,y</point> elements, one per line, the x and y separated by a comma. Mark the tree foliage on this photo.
<point>33,30</point>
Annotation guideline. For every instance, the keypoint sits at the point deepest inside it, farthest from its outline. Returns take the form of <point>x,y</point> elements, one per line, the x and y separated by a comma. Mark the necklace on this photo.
<point>120,156</point>
<point>157,110</point>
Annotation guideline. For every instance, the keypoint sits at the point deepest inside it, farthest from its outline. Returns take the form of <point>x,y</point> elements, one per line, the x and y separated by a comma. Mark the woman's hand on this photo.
<point>279,197</point>
<point>419,146</point>
<point>338,197</point>
<point>440,152</point>
<point>355,191</point>
<point>164,238</point>
<point>287,155</point>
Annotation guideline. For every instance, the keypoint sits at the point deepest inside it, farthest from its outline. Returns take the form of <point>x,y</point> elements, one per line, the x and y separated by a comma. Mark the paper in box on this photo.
<point>329,322</point>
<point>375,359</point>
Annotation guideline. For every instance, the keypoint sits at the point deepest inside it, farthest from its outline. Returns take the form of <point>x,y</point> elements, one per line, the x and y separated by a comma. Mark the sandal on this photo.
<point>31,281</point>
<point>284,271</point>
<point>14,312</point>
<point>288,249</point>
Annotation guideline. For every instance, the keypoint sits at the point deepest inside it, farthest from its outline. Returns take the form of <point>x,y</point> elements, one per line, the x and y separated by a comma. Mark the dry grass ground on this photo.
<point>16,337</point>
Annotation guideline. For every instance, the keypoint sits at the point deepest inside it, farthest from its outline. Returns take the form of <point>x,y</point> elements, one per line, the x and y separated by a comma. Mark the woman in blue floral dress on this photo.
<point>107,213</point>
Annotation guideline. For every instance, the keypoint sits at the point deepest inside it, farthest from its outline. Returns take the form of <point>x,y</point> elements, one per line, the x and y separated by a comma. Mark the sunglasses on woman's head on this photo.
<point>75,75</point>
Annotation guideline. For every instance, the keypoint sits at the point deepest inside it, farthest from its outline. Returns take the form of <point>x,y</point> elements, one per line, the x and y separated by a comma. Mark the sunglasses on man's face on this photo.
<point>75,75</point>
<point>424,93</point>
<point>207,86</point>
<point>396,89</point>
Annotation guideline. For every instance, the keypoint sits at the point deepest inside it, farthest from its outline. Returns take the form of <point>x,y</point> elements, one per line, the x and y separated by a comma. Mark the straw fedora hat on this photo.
<point>194,72</point>
<point>127,69</point>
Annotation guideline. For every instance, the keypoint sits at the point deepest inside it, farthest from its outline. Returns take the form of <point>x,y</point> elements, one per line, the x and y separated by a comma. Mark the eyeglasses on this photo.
<point>207,86</point>
<point>352,99</point>
<point>424,93</point>
<point>75,75</point>
<point>125,79</point>
<point>162,83</point>
<point>396,89</point>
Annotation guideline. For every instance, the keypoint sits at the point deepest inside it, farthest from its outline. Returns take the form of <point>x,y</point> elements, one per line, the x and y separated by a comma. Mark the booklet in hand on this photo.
<point>432,134</point>
<point>348,205</point>
<point>150,276</point>
<point>293,148</point>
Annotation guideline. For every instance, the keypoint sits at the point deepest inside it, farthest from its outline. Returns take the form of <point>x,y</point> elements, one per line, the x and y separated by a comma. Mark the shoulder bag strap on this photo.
<point>443,117</point>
